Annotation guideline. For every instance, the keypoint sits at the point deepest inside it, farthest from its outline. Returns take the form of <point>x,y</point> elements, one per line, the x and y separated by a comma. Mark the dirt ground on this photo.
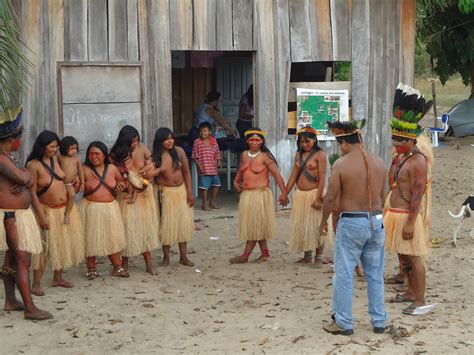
<point>276,307</point>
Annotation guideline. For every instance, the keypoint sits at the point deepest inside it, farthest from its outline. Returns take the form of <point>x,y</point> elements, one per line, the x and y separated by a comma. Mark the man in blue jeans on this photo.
<point>358,182</point>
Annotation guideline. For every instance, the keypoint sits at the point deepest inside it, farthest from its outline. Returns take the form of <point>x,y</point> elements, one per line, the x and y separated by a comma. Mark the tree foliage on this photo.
<point>15,67</point>
<point>446,30</point>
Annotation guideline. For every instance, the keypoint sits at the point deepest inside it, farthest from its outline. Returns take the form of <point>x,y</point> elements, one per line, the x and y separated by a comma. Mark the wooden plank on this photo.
<point>321,36</point>
<point>159,46</point>
<point>132,30</point>
<point>265,83</point>
<point>341,29</point>
<point>146,73</point>
<point>103,121</point>
<point>360,58</point>
<point>224,25</point>
<point>377,74</point>
<point>92,84</point>
<point>77,19</point>
<point>118,36</point>
<point>33,105</point>
<point>54,29</point>
<point>181,23</point>
<point>204,20</point>
<point>97,30</point>
<point>300,30</point>
<point>242,25</point>
<point>407,41</point>
<point>285,149</point>
<point>331,85</point>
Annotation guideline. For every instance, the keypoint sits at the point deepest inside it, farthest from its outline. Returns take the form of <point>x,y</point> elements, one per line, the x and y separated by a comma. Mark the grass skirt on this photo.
<point>305,222</point>
<point>103,228</point>
<point>177,218</point>
<point>256,215</point>
<point>29,233</point>
<point>141,223</point>
<point>63,243</point>
<point>393,221</point>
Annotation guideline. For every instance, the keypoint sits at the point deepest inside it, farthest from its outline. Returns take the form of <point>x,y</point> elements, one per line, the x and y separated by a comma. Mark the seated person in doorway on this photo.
<point>208,112</point>
<point>207,156</point>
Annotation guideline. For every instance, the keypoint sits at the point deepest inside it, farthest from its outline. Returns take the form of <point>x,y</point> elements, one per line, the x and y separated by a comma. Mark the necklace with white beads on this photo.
<point>252,155</point>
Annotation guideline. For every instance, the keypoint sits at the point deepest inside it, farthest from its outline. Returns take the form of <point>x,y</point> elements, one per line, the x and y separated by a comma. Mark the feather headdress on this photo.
<point>346,128</point>
<point>10,122</point>
<point>409,107</point>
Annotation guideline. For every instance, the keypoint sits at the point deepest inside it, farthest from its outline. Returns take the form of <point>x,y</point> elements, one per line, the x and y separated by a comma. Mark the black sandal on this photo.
<point>92,274</point>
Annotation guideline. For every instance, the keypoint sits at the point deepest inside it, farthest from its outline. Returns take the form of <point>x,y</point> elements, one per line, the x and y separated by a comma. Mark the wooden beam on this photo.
<point>77,31</point>
<point>242,25</point>
<point>224,25</point>
<point>132,30</point>
<point>204,15</point>
<point>118,36</point>
<point>341,29</point>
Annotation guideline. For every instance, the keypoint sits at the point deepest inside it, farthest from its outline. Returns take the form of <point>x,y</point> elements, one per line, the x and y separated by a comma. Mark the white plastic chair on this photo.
<point>435,131</point>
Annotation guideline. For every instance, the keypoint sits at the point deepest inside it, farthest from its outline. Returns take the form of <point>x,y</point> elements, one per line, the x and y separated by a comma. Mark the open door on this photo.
<point>233,76</point>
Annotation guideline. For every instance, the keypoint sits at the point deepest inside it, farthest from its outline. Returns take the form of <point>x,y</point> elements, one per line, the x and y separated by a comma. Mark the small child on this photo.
<point>136,182</point>
<point>207,156</point>
<point>72,167</point>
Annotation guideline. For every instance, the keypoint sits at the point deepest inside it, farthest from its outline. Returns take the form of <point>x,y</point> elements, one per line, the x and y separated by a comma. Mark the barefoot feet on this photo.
<point>14,306</point>
<point>38,314</point>
<point>185,261</point>
<point>262,258</point>
<point>239,260</point>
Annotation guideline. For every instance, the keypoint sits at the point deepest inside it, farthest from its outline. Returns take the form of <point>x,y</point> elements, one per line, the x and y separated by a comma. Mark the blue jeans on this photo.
<point>357,240</point>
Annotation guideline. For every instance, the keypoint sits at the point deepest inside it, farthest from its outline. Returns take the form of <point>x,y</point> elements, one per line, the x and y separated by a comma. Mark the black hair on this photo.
<point>122,149</point>
<point>212,96</point>
<point>66,143</point>
<point>161,135</point>
<point>205,125</point>
<point>263,147</point>
<point>102,147</point>
<point>309,135</point>
<point>350,139</point>
<point>249,95</point>
<point>403,139</point>
<point>43,139</point>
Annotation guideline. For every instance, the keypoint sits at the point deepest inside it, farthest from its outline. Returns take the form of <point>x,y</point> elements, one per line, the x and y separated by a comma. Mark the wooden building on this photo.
<point>104,63</point>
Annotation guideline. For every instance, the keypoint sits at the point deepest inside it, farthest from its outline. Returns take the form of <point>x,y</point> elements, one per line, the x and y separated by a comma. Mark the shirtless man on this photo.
<point>175,196</point>
<point>404,221</point>
<point>257,225</point>
<point>15,201</point>
<point>357,182</point>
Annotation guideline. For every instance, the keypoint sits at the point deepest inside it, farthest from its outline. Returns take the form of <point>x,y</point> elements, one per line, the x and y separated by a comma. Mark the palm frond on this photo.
<point>15,67</point>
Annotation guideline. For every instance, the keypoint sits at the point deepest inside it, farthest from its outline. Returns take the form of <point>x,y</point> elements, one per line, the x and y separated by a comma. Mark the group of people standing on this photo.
<point>122,213</point>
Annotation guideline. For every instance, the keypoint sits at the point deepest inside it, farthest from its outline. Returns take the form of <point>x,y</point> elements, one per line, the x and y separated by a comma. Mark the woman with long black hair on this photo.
<point>63,243</point>
<point>176,199</point>
<point>100,212</point>
<point>309,175</point>
<point>140,216</point>
<point>256,208</point>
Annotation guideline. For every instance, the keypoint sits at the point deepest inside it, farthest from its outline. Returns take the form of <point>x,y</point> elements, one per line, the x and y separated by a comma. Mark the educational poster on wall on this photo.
<point>316,107</point>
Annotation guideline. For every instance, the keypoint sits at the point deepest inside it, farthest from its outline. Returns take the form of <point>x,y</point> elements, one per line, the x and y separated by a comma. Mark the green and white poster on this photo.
<point>316,107</point>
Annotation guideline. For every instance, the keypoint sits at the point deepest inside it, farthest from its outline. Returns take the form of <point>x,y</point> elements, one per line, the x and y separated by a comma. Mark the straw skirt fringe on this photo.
<point>177,218</point>
<point>305,222</point>
<point>103,228</point>
<point>256,215</point>
<point>63,243</point>
<point>29,234</point>
<point>141,224</point>
<point>393,221</point>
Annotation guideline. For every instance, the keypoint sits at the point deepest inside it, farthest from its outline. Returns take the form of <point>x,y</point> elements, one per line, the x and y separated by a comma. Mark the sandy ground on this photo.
<point>215,307</point>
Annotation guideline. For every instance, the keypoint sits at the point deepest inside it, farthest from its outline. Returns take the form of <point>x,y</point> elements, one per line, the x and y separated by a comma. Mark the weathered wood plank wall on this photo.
<point>377,36</point>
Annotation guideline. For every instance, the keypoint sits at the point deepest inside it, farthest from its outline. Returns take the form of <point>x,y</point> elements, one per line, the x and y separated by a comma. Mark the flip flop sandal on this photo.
<point>394,280</point>
<point>409,310</point>
<point>120,272</point>
<point>400,298</point>
<point>37,291</point>
<point>63,283</point>
<point>41,315</point>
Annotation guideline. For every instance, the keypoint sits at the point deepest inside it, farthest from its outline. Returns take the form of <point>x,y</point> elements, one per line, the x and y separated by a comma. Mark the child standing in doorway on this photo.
<point>207,156</point>
<point>72,167</point>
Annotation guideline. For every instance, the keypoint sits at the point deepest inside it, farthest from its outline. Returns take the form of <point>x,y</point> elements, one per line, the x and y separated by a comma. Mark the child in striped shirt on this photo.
<point>207,156</point>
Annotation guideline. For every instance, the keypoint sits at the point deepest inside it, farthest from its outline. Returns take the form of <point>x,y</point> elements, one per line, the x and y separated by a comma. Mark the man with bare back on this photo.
<point>407,220</point>
<point>357,183</point>
<point>22,233</point>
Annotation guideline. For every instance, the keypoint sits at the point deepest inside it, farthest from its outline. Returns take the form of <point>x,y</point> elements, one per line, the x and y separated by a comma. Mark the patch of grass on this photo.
<point>446,96</point>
